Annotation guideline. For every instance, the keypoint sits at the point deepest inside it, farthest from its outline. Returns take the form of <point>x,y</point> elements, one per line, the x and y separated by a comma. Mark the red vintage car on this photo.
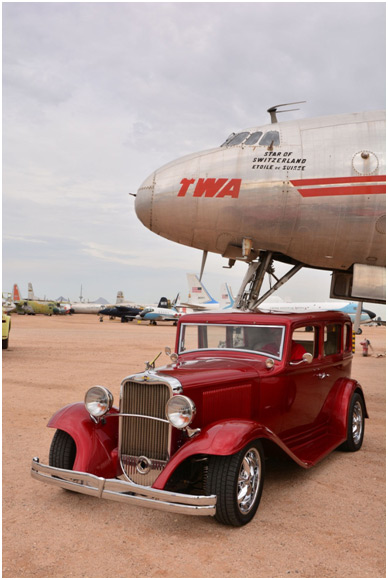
<point>191,437</point>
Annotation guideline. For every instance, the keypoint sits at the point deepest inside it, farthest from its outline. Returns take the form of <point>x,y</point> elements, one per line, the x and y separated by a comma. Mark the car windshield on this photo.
<point>265,340</point>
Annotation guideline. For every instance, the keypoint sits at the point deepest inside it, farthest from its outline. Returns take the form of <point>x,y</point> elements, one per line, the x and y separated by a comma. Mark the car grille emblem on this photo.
<point>143,465</point>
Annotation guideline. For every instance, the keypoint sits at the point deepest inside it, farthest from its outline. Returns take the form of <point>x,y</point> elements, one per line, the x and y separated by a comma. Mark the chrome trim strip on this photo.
<point>124,491</point>
<point>141,416</point>
<point>155,377</point>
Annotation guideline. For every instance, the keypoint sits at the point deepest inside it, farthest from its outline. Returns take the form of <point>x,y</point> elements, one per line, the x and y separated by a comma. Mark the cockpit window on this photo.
<point>253,138</point>
<point>270,138</point>
<point>239,138</point>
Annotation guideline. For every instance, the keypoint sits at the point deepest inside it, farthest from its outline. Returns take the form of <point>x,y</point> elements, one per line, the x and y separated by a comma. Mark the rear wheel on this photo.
<point>356,421</point>
<point>62,450</point>
<point>237,480</point>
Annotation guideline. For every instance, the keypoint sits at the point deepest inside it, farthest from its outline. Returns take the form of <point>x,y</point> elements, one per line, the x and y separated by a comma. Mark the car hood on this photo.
<point>212,371</point>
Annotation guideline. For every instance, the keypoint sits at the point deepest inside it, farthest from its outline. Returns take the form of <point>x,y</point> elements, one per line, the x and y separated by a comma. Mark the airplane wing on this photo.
<point>197,307</point>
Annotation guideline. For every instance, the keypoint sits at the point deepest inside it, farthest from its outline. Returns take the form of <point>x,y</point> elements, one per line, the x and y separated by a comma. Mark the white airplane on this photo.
<point>87,307</point>
<point>306,193</point>
<point>83,307</point>
<point>7,302</point>
<point>349,308</point>
<point>200,299</point>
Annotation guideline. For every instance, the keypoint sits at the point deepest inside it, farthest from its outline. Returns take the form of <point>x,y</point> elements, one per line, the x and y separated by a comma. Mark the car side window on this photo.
<point>332,339</point>
<point>347,338</point>
<point>304,339</point>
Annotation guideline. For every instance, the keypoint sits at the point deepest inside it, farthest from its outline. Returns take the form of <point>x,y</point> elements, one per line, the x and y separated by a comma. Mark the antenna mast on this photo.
<point>273,110</point>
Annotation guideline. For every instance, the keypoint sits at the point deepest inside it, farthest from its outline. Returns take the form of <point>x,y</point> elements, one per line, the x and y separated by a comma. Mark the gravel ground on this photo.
<point>327,522</point>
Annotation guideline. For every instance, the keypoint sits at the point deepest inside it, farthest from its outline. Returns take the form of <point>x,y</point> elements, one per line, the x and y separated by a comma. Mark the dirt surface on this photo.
<point>328,521</point>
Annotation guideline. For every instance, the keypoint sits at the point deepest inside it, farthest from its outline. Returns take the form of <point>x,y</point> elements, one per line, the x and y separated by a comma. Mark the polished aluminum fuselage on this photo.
<point>317,198</point>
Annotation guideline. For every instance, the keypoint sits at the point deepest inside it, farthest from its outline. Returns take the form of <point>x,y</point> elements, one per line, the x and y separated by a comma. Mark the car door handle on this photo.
<point>322,375</point>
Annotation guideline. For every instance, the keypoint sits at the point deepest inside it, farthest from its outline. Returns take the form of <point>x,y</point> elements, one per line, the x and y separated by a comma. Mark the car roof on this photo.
<point>248,317</point>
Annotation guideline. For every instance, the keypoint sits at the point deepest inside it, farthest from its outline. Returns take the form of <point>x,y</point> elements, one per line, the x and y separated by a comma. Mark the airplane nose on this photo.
<point>143,201</point>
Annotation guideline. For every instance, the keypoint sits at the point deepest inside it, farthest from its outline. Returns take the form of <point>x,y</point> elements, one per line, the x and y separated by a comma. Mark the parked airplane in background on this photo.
<point>306,193</point>
<point>349,308</point>
<point>62,308</point>
<point>161,312</point>
<point>8,304</point>
<point>120,300</point>
<point>200,299</point>
<point>33,306</point>
<point>126,313</point>
<point>87,307</point>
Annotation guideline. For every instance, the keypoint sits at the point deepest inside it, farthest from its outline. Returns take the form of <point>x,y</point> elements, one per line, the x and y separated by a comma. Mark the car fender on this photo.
<point>222,438</point>
<point>96,443</point>
<point>337,404</point>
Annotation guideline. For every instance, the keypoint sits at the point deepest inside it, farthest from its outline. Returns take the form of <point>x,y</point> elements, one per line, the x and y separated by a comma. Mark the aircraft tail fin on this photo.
<point>163,303</point>
<point>30,292</point>
<point>227,298</point>
<point>16,294</point>
<point>197,291</point>
<point>120,297</point>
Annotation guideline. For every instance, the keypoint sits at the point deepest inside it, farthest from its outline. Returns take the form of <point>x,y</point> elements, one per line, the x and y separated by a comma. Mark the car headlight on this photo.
<point>98,401</point>
<point>180,411</point>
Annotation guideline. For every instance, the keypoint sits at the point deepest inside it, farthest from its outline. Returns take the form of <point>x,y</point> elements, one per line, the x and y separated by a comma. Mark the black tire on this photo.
<point>356,424</point>
<point>62,450</point>
<point>236,506</point>
<point>5,342</point>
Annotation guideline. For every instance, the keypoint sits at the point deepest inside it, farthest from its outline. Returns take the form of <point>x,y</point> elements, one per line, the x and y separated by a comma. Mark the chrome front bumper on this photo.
<point>124,491</point>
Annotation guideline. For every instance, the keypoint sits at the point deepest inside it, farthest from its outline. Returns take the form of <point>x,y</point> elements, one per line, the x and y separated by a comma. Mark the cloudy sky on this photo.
<point>98,95</point>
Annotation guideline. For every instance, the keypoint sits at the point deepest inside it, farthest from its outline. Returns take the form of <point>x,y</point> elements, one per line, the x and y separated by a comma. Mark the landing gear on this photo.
<point>248,298</point>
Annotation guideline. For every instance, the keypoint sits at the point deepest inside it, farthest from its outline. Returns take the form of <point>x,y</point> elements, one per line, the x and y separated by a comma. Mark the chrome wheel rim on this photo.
<point>357,422</point>
<point>248,482</point>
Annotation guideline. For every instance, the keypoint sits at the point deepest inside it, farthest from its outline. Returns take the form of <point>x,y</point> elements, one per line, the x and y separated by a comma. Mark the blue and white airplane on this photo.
<point>161,312</point>
<point>349,308</point>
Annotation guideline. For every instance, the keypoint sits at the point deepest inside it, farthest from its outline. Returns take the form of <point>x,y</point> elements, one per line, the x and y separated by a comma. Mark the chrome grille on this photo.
<point>144,431</point>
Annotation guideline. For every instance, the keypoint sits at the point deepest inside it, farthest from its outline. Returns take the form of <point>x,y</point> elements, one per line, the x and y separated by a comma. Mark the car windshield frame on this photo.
<point>263,350</point>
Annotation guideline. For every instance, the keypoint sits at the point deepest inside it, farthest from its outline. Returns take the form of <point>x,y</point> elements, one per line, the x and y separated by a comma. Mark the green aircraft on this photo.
<point>35,306</point>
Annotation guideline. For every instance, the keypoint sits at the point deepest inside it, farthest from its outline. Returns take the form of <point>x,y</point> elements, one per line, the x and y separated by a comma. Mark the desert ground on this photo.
<point>326,522</point>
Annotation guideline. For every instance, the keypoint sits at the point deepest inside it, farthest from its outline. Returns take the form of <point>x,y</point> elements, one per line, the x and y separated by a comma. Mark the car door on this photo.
<point>307,384</point>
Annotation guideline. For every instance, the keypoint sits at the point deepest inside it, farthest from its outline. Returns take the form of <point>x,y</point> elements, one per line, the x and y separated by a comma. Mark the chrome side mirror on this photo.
<point>306,358</point>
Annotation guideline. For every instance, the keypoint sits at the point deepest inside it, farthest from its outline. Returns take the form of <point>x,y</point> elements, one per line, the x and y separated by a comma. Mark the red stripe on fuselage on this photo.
<point>337,180</point>
<point>361,185</point>
<point>353,190</point>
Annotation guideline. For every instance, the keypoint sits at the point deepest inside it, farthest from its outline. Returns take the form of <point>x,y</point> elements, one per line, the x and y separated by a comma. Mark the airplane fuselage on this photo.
<point>310,191</point>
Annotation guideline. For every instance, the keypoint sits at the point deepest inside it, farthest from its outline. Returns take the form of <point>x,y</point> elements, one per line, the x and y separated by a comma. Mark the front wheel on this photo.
<point>237,480</point>
<point>62,450</point>
<point>356,423</point>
